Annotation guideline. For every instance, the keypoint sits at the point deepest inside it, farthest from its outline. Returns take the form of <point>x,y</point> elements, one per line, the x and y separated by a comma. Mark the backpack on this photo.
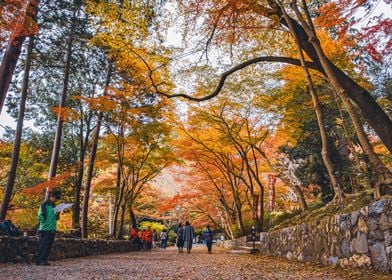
<point>8,228</point>
<point>208,235</point>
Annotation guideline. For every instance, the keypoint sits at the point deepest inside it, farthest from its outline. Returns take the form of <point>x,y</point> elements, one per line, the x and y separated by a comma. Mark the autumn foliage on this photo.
<point>293,113</point>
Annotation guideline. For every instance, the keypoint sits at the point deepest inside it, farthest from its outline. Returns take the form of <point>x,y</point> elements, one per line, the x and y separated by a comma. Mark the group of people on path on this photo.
<point>185,236</point>
<point>147,238</point>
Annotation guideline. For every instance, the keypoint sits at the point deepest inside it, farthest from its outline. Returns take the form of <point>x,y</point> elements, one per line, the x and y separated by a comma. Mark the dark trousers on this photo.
<point>148,245</point>
<point>209,245</point>
<point>139,243</point>
<point>45,243</point>
<point>163,243</point>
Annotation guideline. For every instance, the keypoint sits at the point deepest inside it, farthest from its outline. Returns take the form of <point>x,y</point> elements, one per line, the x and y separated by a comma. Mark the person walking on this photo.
<point>189,234</point>
<point>148,236</point>
<point>163,237</point>
<point>135,238</point>
<point>208,237</point>
<point>143,239</point>
<point>47,218</point>
<point>154,239</point>
<point>134,234</point>
<point>180,238</point>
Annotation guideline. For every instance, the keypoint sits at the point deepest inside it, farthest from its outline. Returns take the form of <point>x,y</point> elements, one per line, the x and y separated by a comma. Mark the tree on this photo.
<point>22,26</point>
<point>93,153</point>
<point>64,91</point>
<point>319,114</point>
<point>219,18</point>
<point>18,134</point>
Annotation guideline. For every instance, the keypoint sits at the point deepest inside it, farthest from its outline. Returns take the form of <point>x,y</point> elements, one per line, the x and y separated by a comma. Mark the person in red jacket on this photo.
<point>135,238</point>
<point>134,234</point>
<point>148,238</point>
<point>143,239</point>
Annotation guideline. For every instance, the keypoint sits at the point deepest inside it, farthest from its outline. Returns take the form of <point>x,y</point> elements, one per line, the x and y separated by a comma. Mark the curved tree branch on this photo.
<point>241,66</point>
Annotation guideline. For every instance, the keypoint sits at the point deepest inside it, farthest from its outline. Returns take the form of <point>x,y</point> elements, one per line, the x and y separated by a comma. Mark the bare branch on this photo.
<point>241,66</point>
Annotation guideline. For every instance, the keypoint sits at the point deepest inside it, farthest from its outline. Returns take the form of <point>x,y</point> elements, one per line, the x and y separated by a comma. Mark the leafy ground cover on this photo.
<point>170,264</point>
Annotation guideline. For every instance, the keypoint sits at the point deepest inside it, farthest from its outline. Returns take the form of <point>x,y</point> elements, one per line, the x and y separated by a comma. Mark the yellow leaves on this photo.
<point>293,96</point>
<point>106,181</point>
<point>100,103</point>
<point>66,114</point>
<point>336,50</point>
<point>124,32</point>
<point>109,17</point>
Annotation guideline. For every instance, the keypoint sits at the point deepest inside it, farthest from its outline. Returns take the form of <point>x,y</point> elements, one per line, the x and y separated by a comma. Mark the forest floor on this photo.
<point>169,264</point>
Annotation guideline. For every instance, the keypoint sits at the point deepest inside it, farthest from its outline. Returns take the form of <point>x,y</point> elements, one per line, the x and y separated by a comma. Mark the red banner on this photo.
<point>255,205</point>
<point>271,191</point>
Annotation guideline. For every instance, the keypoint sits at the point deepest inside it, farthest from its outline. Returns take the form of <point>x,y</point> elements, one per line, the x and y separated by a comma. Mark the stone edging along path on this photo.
<point>362,238</point>
<point>22,249</point>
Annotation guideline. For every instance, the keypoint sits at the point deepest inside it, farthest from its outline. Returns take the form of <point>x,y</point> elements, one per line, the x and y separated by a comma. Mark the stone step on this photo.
<point>238,252</point>
<point>248,249</point>
<point>250,243</point>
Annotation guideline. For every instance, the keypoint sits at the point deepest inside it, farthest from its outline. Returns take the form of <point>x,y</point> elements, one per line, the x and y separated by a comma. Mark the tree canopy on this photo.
<point>251,110</point>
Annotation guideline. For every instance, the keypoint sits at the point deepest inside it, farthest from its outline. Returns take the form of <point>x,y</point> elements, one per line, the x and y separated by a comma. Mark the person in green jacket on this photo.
<point>47,218</point>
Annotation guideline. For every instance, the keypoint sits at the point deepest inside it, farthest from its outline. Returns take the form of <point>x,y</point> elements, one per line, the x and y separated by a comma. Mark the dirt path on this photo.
<point>171,265</point>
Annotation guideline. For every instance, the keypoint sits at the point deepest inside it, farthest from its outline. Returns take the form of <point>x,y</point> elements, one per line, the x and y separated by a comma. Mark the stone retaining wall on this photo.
<point>22,249</point>
<point>359,239</point>
<point>232,244</point>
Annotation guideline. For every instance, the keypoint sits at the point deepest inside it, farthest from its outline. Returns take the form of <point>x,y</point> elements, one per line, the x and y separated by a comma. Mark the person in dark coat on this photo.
<point>180,238</point>
<point>208,237</point>
<point>189,234</point>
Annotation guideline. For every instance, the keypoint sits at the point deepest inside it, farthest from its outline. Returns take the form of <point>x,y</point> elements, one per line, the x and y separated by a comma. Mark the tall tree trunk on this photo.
<point>12,53</point>
<point>79,180</point>
<point>132,217</point>
<point>362,168</point>
<point>371,111</point>
<point>18,134</point>
<point>117,205</point>
<point>240,223</point>
<point>90,170</point>
<point>319,114</point>
<point>225,227</point>
<point>122,218</point>
<point>63,98</point>
<point>228,226</point>
<point>324,144</point>
<point>301,198</point>
<point>240,220</point>
<point>120,184</point>
<point>384,176</point>
<point>78,185</point>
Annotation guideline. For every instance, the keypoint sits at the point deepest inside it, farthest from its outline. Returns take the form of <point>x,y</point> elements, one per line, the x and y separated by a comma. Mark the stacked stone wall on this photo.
<point>359,239</point>
<point>232,244</point>
<point>23,249</point>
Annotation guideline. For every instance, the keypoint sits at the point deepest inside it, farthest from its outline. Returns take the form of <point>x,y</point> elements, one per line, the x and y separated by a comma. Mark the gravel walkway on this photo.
<point>171,265</point>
